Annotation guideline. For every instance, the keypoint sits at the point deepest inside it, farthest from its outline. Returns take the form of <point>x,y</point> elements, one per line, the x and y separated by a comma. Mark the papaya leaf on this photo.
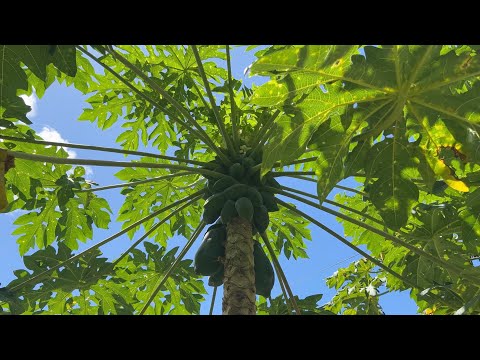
<point>36,58</point>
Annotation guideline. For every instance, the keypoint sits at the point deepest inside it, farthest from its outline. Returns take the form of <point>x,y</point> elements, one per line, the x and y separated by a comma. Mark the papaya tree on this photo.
<point>402,121</point>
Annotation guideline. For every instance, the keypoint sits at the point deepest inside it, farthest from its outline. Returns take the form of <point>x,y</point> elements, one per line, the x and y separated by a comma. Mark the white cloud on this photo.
<point>247,70</point>
<point>32,102</point>
<point>50,134</point>
<point>88,170</point>
<point>16,213</point>
<point>371,290</point>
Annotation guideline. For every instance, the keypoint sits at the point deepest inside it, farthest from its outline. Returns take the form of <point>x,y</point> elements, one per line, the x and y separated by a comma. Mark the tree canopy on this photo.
<point>403,121</point>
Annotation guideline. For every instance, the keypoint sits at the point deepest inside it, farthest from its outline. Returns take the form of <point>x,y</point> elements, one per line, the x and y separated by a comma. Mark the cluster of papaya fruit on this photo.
<point>239,192</point>
<point>209,260</point>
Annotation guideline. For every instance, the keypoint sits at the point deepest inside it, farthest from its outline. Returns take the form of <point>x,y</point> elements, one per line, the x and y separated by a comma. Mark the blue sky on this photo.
<point>55,118</point>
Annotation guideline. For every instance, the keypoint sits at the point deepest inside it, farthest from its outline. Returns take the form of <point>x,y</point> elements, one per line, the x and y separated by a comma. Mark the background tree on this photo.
<point>401,120</point>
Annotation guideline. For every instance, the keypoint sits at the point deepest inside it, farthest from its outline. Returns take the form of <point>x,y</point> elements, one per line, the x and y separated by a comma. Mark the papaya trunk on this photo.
<point>239,278</point>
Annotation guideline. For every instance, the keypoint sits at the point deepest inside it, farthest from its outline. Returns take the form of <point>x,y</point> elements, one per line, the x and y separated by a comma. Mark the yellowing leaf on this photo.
<point>70,306</point>
<point>430,311</point>
<point>457,185</point>
<point>446,173</point>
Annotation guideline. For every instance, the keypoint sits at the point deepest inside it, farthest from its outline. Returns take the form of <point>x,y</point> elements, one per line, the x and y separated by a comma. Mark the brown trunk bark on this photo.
<point>239,278</point>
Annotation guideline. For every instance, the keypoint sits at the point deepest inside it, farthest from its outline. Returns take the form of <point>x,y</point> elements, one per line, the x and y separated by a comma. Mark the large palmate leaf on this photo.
<point>143,199</point>
<point>302,77</point>
<point>173,68</point>
<point>91,285</point>
<point>52,294</point>
<point>435,228</point>
<point>434,87</point>
<point>358,290</point>
<point>393,193</point>
<point>293,131</point>
<point>332,140</point>
<point>469,215</point>
<point>14,60</point>
<point>56,210</point>
<point>139,274</point>
<point>289,231</point>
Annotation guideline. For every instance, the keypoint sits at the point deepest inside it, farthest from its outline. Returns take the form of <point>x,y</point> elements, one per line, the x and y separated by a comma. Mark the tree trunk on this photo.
<point>239,278</point>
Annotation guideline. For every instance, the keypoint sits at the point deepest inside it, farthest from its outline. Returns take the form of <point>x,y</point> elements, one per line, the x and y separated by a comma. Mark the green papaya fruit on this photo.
<point>254,196</point>
<point>248,162</point>
<point>213,207</point>
<point>216,233</point>
<point>252,173</point>
<point>223,183</point>
<point>228,212</point>
<point>217,278</point>
<point>269,201</point>
<point>237,171</point>
<point>271,181</point>
<point>244,208</point>
<point>236,191</point>
<point>261,218</point>
<point>264,275</point>
<point>257,157</point>
<point>221,169</point>
<point>207,258</point>
<point>254,179</point>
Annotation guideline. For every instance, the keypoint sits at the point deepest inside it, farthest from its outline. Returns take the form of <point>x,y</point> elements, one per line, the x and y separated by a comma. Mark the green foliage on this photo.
<point>357,290</point>
<point>437,228</point>
<point>91,286</point>
<point>333,92</point>
<point>78,275</point>
<point>278,306</point>
<point>56,211</point>
<point>19,62</point>
<point>288,231</point>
